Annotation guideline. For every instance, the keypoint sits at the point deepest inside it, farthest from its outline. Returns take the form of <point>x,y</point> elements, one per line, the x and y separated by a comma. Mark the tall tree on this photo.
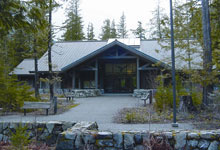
<point>139,32</point>
<point>73,24</point>
<point>106,30</point>
<point>122,31</point>
<point>113,31</point>
<point>90,32</point>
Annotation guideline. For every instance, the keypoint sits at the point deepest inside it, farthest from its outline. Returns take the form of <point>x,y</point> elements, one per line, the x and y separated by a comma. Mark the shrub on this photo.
<point>20,138</point>
<point>130,117</point>
<point>14,93</point>
<point>164,95</point>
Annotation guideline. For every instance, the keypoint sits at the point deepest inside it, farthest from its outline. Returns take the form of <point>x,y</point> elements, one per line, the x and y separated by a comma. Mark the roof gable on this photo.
<point>106,47</point>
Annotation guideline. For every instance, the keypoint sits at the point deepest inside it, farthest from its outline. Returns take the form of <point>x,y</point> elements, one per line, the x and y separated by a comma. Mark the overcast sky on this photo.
<point>96,11</point>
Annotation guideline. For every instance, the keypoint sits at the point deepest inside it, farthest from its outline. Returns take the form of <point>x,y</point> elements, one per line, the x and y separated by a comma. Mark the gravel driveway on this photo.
<point>100,109</point>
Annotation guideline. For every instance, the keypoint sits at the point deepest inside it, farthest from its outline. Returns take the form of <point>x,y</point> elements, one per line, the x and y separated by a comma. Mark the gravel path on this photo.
<point>100,109</point>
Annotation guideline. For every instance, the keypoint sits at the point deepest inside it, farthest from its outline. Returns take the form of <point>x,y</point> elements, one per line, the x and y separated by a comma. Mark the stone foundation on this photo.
<point>140,92</point>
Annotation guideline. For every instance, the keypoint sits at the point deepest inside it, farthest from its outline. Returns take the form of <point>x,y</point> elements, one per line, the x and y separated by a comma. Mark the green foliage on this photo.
<point>130,117</point>
<point>108,30</point>
<point>90,32</point>
<point>73,24</point>
<point>122,31</point>
<point>20,138</point>
<point>139,32</point>
<point>164,94</point>
<point>196,97</point>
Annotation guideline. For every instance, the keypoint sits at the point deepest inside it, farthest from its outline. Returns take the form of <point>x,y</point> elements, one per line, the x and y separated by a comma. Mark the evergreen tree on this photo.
<point>73,24</point>
<point>106,30</point>
<point>122,31</point>
<point>140,31</point>
<point>113,30</point>
<point>90,32</point>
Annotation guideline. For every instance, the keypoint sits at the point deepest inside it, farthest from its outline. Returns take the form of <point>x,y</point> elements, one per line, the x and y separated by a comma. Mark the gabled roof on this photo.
<point>102,49</point>
<point>24,67</point>
<point>66,55</point>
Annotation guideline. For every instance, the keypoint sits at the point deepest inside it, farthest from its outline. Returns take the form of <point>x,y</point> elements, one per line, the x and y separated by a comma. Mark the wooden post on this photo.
<point>138,74</point>
<point>96,74</point>
<point>74,80</point>
<point>55,105</point>
<point>79,83</point>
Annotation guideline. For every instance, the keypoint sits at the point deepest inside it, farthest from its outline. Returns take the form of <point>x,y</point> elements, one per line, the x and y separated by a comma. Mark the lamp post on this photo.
<point>174,124</point>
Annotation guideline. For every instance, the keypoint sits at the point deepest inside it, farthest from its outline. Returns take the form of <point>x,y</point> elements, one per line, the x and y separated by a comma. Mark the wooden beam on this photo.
<point>138,74</point>
<point>148,68</point>
<point>118,57</point>
<point>74,80</point>
<point>96,74</point>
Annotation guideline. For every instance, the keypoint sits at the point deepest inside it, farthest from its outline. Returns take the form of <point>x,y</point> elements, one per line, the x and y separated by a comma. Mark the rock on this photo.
<point>67,125</point>
<point>128,141</point>
<point>50,126</point>
<point>118,140</point>
<point>69,135</point>
<point>104,135</point>
<point>193,135</point>
<point>5,125</point>
<point>145,137</point>
<point>88,138</point>
<point>203,144</point>
<point>192,143</point>
<point>180,140</point>
<point>138,138</point>
<point>1,127</point>
<point>214,145</point>
<point>139,147</point>
<point>169,135</point>
<point>65,145</point>
<point>5,138</point>
<point>207,135</point>
<point>1,137</point>
<point>78,142</point>
<point>105,143</point>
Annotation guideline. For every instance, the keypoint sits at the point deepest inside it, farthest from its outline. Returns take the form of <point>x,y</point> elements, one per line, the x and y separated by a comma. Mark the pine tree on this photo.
<point>73,24</point>
<point>139,32</point>
<point>122,31</point>
<point>90,32</point>
<point>113,30</point>
<point>106,30</point>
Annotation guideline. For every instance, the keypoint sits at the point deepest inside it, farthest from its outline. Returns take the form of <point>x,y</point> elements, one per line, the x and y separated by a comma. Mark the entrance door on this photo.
<point>120,77</point>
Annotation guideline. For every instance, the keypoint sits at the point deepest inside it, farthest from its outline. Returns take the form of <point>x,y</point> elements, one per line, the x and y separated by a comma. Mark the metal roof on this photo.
<point>24,67</point>
<point>66,55</point>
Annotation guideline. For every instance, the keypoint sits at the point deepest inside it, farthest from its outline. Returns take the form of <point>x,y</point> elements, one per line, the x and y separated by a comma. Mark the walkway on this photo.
<point>100,109</point>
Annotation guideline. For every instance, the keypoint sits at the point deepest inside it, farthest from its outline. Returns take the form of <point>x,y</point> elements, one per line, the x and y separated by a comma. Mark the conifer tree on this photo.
<point>139,32</point>
<point>113,31</point>
<point>73,24</point>
<point>106,30</point>
<point>122,31</point>
<point>90,32</point>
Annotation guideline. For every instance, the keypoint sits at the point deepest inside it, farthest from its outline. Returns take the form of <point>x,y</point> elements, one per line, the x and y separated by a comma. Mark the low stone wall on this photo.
<point>140,92</point>
<point>85,135</point>
<point>86,92</point>
<point>104,140</point>
<point>42,131</point>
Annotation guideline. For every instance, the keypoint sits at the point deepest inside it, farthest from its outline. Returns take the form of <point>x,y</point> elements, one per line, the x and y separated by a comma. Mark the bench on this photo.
<point>145,97</point>
<point>36,105</point>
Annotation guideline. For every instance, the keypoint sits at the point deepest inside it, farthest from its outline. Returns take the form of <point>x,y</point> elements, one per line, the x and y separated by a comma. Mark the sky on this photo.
<point>96,11</point>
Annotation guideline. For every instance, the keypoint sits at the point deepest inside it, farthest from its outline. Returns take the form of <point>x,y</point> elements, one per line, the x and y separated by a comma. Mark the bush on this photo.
<point>164,95</point>
<point>20,139</point>
<point>14,93</point>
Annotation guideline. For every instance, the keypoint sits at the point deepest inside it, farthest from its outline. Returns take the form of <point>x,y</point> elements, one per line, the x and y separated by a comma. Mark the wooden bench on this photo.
<point>36,105</point>
<point>145,97</point>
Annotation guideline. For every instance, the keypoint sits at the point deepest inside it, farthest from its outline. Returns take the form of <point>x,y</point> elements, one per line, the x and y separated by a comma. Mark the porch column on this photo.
<point>96,74</point>
<point>74,80</point>
<point>79,83</point>
<point>138,74</point>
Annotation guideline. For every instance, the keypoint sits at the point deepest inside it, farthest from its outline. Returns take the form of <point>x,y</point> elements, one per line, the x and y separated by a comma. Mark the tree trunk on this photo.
<point>49,52</point>
<point>207,53</point>
<point>36,77</point>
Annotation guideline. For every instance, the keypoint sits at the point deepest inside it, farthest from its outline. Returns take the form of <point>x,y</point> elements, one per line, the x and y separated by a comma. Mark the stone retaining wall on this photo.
<point>85,136</point>
<point>74,139</point>
<point>42,131</point>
